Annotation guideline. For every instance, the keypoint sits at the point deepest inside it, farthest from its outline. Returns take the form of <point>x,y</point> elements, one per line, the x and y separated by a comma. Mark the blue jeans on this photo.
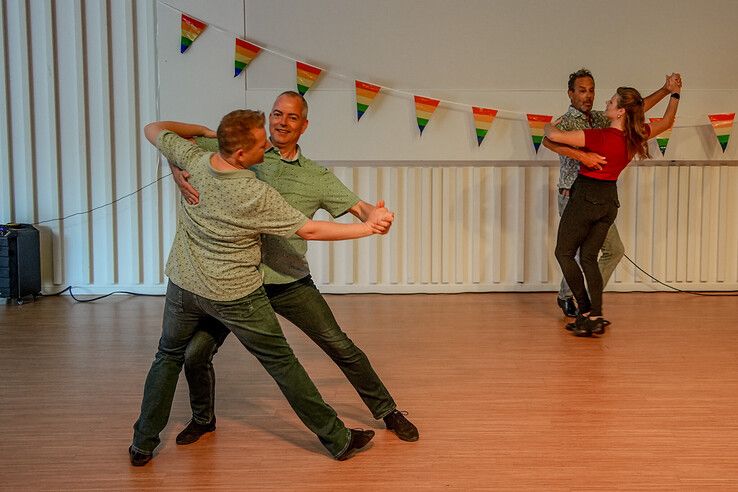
<point>302,304</point>
<point>253,322</point>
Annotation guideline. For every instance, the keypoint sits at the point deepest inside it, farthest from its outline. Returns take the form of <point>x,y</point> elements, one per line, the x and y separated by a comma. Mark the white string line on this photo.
<point>466,107</point>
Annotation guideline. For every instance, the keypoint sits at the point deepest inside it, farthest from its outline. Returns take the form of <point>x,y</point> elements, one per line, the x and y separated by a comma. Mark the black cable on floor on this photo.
<point>728,293</point>
<point>100,297</point>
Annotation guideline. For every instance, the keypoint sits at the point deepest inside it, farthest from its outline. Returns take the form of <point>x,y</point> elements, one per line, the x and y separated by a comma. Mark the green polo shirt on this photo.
<point>216,253</point>
<point>306,186</point>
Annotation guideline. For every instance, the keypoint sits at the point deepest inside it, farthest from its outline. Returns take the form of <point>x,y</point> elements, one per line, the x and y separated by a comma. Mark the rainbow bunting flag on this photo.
<point>245,54</point>
<point>483,118</point>
<point>536,122</point>
<point>306,76</point>
<point>722,123</point>
<point>424,108</point>
<point>191,29</point>
<point>365,94</point>
<point>662,139</point>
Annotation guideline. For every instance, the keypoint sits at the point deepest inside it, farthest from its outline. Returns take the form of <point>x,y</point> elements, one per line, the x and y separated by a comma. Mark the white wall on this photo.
<point>508,55</point>
<point>81,77</point>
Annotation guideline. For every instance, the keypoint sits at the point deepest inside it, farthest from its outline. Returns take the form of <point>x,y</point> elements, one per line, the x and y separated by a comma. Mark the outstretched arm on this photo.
<point>378,220</point>
<point>672,81</point>
<point>184,130</point>
<point>361,210</point>
<point>667,121</point>
<point>573,138</point>
<point>592,160</point>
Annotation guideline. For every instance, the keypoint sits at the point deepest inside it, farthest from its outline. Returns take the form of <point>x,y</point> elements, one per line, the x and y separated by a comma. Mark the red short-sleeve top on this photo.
<point>610,143</point>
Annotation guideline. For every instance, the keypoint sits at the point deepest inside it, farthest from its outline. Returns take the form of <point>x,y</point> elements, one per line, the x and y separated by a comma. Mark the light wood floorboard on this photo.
<point>504,398</point>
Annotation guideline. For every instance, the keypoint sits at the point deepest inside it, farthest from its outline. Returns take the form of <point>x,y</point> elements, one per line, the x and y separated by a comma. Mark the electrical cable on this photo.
<point>104,205</point>
<point>69,288</point>
<point>729,293</point>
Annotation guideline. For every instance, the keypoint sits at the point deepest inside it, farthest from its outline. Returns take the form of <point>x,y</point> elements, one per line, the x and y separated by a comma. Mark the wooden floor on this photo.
<point>504,398</point>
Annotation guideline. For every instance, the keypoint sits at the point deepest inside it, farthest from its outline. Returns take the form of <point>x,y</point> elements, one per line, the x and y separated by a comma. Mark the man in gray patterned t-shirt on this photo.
<point>581,92</point>
<point>213,274</point>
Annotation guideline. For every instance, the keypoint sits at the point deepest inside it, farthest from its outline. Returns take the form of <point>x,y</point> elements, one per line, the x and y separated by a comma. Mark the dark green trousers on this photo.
<point>253,322</point>
<point>302,304</point>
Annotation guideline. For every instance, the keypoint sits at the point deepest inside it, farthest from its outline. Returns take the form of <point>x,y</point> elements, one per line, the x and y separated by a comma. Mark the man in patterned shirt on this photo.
<point>213,274</point>
<point>308,187</point>
<point>581,92</point>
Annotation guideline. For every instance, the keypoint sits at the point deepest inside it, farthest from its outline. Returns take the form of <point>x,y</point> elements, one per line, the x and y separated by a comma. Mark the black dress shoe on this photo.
<point>586,327</point>
<point>359,439</point>
<point>598,325</point>
<point>581,327</point>
<point>404,429</point>
<point>194,431</point>
<point>138,459</point>
<point>568,307</point>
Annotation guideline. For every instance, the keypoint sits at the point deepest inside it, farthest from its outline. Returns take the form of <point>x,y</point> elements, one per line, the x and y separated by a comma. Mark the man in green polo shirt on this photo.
<point>308,187</point>
<point>213,275</point>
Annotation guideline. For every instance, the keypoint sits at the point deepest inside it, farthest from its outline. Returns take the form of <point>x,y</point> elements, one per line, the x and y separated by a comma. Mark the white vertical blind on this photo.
<point>493,228</point>
<point>81,81</point>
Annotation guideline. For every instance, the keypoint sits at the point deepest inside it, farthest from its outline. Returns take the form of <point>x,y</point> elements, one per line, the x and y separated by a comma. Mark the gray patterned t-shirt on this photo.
<point>308,187</point>
<point>216,250</point>
<point>574,119</point>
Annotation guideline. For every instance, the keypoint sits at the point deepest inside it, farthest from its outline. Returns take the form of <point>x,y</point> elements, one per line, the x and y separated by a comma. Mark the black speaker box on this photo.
<point>20,262</point>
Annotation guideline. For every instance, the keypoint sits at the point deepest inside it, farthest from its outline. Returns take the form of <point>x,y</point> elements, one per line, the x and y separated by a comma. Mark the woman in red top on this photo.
<point>593,203</point>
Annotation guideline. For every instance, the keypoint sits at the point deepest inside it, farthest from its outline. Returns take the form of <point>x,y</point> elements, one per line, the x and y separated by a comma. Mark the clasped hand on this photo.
<point>380,219</point>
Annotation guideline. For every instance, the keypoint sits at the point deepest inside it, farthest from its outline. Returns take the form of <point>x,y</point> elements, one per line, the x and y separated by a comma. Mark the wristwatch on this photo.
<point>675,95</point>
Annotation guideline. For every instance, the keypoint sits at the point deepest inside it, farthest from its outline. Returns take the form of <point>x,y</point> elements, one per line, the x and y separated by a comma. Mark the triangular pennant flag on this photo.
<point>424,108</point>
<point>365,94</point>
<point>663,138</point>
<point>306,76</point>
<point>722,123</point>
<point>483,118</point>
<point>191,29</point>
<point>536,123</point>
<point>245,53</point>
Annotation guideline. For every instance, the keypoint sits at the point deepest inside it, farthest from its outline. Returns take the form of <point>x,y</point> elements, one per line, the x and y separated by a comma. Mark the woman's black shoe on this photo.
<point>598,325</point>
<point>586,327</point>
<point>581,327</point>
